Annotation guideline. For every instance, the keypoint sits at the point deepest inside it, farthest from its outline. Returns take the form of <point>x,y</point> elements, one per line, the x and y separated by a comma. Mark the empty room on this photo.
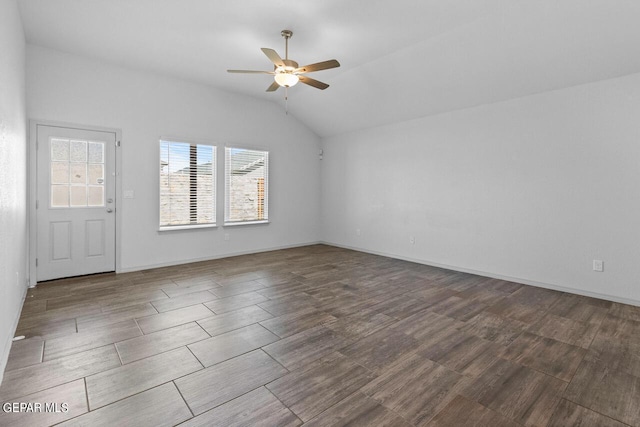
<point>322,213</point>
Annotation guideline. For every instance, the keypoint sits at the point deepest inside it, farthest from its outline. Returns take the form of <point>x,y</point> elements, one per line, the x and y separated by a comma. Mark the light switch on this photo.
<point>128,194</point>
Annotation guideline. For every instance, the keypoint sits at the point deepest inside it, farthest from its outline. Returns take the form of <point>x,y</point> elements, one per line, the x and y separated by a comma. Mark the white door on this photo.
<point>75,202</point>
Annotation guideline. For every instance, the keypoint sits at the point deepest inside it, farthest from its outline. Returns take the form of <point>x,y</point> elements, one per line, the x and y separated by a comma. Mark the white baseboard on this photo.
<point>389,255</point>
<point>494,275</point>
<point>210,258</point>
<point>7,344</point>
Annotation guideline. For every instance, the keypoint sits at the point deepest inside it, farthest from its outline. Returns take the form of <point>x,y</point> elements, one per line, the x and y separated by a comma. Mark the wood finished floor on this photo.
<point>321,336</point>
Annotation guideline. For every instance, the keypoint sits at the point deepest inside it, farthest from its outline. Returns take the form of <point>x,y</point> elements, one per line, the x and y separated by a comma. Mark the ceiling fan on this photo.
<point>286,72</point>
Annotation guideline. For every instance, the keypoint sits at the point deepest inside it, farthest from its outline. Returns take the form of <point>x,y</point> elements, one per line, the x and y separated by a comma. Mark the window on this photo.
<point>246,186</point>
<point>187,184</point>
<point>77,173</point>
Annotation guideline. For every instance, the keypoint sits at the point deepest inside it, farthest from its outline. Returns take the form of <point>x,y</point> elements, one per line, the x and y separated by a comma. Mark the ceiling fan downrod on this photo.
<point>287,35</point>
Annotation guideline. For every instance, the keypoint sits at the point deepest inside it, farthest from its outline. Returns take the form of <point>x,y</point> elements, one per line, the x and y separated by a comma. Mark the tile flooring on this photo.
<point>321,336</point>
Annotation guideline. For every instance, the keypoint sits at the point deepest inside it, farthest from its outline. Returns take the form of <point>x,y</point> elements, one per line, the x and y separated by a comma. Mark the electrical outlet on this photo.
<point>412,240</point>
<point>598,265</point>
<point>226,236</point>
<point>357,231</point>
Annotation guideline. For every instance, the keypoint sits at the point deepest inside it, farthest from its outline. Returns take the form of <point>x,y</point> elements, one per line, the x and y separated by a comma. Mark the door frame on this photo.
<point>32,190</point>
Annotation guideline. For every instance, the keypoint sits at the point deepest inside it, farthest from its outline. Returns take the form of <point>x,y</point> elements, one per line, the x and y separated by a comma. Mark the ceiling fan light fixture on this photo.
<point>286,79</point>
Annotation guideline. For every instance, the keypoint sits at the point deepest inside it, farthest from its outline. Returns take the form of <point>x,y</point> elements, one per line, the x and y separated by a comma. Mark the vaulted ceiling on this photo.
<point>401,59</point>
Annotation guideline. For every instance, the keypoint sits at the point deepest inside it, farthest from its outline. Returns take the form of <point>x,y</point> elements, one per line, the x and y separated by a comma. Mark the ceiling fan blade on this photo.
<point>250,72</point>
<point>325,65</point>
<point>311,82</point>
<point>273,56</point>
<point>274,86</point>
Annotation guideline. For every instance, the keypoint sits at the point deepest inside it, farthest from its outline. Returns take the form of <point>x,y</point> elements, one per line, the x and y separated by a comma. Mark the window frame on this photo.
<point>214,185</point>
<point>227,204</point>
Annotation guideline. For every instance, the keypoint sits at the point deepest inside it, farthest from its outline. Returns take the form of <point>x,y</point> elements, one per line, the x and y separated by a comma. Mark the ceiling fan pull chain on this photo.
<point>286,101</point>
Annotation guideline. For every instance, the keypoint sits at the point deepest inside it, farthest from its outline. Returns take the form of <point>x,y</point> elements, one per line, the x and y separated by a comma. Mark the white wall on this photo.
<point>67,88</point>
<point>13,184</point>
<point>532,189</point>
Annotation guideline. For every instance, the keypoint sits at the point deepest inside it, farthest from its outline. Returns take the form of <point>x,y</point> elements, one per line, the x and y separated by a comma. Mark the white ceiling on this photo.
<point>401,59</point>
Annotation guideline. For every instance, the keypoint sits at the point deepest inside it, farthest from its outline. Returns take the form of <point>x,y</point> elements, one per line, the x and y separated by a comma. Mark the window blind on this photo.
<point>187,184</point>
<point>246,186</point>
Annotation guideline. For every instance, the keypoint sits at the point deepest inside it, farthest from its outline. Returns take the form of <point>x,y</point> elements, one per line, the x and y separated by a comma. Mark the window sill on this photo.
<point>233,224</point>
<point>185,227</point>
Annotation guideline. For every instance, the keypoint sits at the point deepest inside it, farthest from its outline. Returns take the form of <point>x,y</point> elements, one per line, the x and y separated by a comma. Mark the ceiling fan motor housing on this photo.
<point>289,66</point>
<point>285,76</point>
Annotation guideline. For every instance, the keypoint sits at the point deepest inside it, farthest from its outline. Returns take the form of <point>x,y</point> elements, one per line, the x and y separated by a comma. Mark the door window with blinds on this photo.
<point>187,185</point>
<point>246,186</point>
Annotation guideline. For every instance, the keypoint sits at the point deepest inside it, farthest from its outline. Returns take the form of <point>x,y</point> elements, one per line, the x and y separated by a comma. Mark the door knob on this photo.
<point>109,210</point>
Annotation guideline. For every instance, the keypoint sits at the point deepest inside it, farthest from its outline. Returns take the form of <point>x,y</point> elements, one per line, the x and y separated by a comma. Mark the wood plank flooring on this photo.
<point>321,336</point>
